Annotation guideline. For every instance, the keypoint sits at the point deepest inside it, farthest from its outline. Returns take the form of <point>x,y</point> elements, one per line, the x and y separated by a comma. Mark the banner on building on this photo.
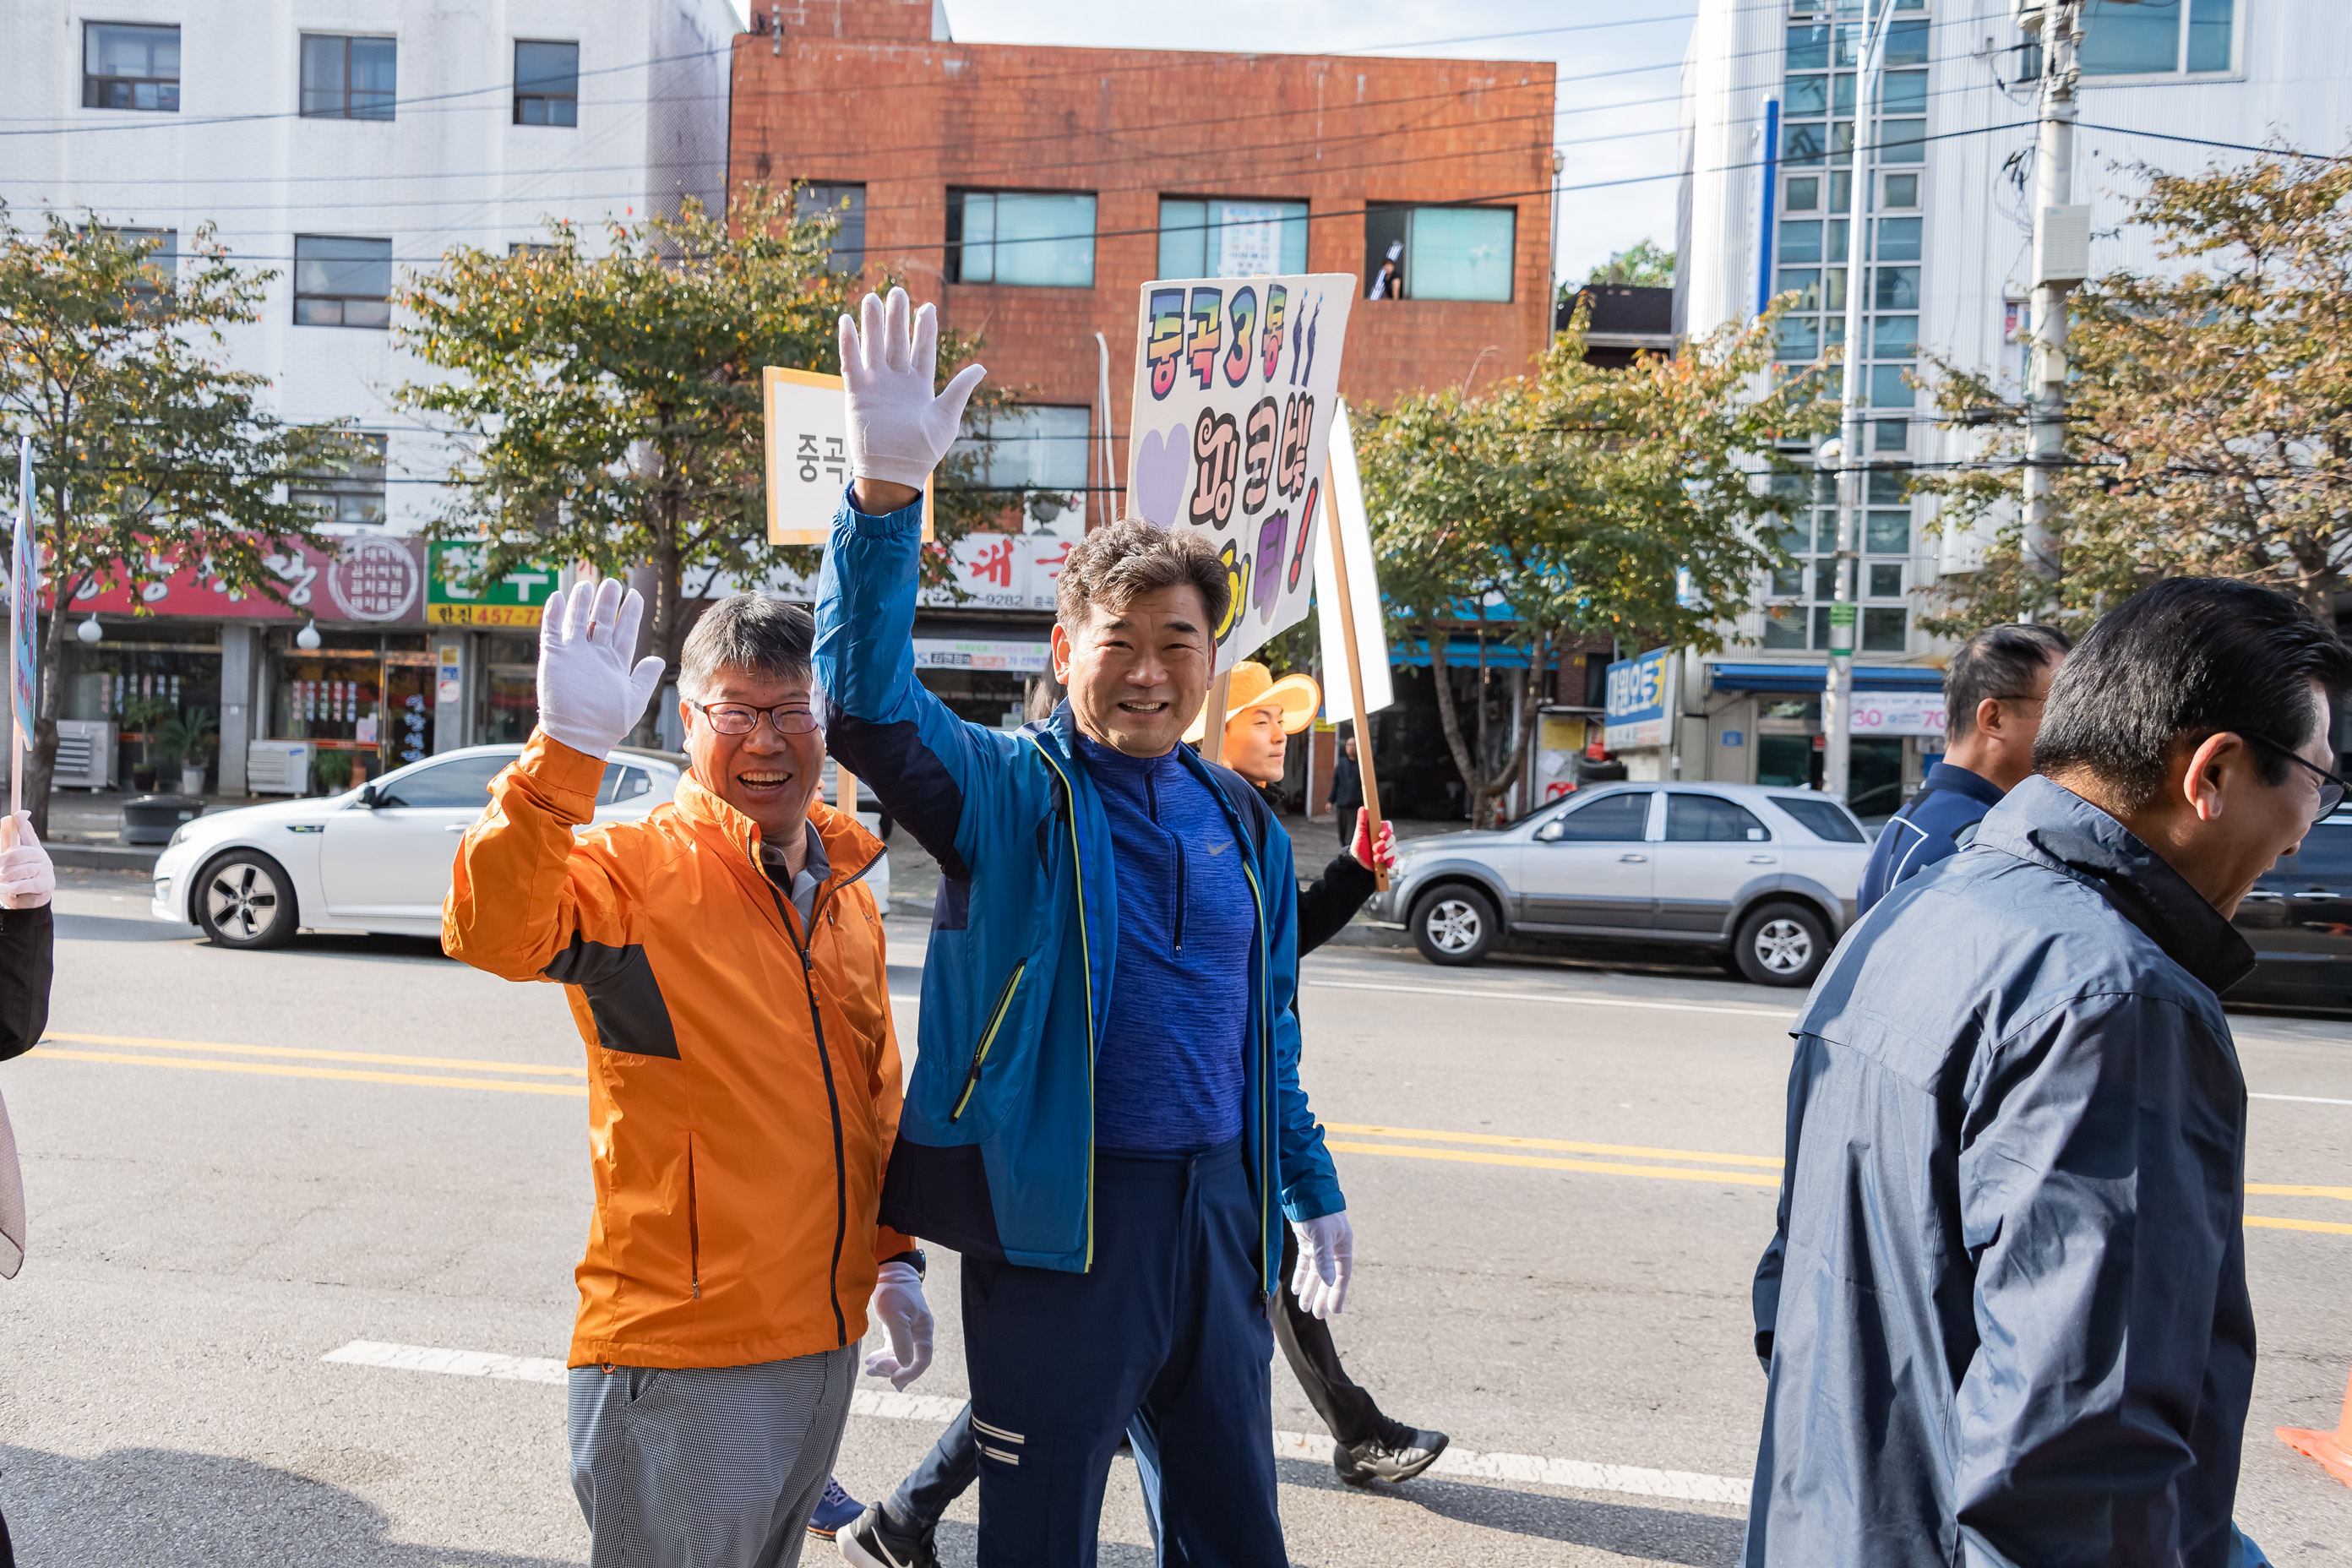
<point>1898,713</point>
<point>1350,537</point>
<point>377,578</point>
<point>808,455</point>
<point>456,594</point>
<point>1236,381</point>
<point>1641,701</point>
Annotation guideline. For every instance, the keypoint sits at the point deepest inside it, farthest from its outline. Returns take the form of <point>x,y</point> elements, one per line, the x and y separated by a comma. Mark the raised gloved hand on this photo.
<point>906,1317</point>
<point>589,698</point>
<point>899,430</point>
<point>1326,1249</point>
<point>27,877</point>
<point>1373,852</point>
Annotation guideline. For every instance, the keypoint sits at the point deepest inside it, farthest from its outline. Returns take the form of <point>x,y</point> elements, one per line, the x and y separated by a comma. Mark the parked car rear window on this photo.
<point>1821,818</point>
<point>620,783</point>
<point>1711,818</point>
<point>2326,856</point>
<point>462,782</point>
<point>1612,818</point>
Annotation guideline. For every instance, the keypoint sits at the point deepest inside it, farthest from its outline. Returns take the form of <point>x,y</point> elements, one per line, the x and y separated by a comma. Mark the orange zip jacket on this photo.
<point>743,1075</point>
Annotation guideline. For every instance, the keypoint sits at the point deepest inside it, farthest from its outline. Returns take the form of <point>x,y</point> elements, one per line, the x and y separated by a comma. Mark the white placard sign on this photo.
<point>1898,713</point>
<point>1236,383</point>
<point>1355,539</point>
<point>808,455</point>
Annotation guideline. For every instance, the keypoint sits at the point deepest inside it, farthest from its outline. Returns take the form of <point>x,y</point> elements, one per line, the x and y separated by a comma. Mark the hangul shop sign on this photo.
<point>456,594</point>
<point>377,579</point>
<point>1639,693</point>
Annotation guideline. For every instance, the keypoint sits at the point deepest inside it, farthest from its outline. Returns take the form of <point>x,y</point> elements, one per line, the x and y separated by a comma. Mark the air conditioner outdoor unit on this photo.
<point>277,767</point>
<point>85,754</point>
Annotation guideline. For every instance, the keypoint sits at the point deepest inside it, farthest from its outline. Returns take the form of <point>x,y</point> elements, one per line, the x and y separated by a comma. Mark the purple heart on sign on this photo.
<point>1162,464</point>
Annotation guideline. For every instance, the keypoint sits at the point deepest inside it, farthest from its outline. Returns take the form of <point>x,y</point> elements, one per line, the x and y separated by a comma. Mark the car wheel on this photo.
<point>1454,925</point>
<point>244,898</point>
<point>1781,944</point>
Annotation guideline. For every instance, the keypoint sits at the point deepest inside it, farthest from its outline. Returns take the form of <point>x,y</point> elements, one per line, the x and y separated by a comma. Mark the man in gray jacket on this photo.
<point>2005,1316</point>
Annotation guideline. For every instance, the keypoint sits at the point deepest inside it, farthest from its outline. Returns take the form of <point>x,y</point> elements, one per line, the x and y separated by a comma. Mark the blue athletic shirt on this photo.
<point>1934,825</point>
<point>1170,1075</point>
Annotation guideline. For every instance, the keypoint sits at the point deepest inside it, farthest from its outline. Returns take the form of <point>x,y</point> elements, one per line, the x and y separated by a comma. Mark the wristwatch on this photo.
<point>913,1257</point>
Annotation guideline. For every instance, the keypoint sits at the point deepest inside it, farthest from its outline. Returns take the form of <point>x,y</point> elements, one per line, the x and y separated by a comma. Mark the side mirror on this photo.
<point>367,797</point>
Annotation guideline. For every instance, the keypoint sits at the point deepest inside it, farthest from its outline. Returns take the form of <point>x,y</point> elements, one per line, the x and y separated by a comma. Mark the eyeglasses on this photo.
<point>2332,786</point>
<point>740,719</point>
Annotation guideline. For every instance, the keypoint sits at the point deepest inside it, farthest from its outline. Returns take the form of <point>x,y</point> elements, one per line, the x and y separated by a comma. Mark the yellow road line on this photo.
<point>1430,1135</point>
<point>2277,1190</point>
<point>1665,1172</point>
<point>467,1063</point>
<point>2329,1225</point>
<point>271,1070</point>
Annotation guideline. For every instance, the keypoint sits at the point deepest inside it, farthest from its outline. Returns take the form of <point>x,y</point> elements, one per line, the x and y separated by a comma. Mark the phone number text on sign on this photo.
<point>1236,380</point>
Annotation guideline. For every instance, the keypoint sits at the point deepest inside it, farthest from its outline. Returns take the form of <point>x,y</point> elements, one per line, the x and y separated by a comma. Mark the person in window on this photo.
<point>2004,1312</point>
<point>1388,283</point>
<point>27,959</point>
<point>1994,688</point>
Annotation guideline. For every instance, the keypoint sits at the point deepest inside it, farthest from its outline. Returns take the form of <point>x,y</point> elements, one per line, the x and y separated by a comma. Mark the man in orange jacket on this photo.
<point>725,967</point>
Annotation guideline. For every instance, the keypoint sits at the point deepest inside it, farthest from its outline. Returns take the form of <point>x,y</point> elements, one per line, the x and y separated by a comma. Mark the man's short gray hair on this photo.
<point>1114,566</point>
<point>766,636</point>
<point>1999,661</point>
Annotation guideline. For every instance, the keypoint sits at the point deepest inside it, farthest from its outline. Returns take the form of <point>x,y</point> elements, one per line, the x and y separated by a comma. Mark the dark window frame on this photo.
<point>342,301</point>
<point>839,256</point>
<point>546,101</point>
<point>954,255</point>
<point>95,86</point>
<point>304,91</point>
<point>330,487</point>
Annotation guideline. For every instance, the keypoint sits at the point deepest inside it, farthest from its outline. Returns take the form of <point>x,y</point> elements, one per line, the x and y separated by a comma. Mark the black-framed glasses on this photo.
<point>741,717</point>
<point>2332,786</point>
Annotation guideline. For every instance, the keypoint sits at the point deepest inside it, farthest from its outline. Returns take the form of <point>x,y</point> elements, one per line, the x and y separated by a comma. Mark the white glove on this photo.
<point>1326,1250</point>
<point>26,878</point>
<point>897,430</point>
<point>905,1316</point>
<point>589,698</point>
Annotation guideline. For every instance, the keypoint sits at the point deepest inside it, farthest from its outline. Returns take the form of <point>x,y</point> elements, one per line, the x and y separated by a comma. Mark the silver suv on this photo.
<point>1766,876</point>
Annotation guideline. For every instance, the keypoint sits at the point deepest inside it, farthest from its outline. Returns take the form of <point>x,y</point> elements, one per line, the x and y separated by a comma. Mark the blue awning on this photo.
<point>1460,653</point>
<point>1814,676</point>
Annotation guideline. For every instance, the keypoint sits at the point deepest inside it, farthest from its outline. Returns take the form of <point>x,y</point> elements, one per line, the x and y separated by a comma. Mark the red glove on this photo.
<point>1373,854</point>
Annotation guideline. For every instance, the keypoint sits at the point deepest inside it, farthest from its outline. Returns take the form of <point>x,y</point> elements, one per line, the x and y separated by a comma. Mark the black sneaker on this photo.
<point>875,1542</point>
<point>1398,1454</point>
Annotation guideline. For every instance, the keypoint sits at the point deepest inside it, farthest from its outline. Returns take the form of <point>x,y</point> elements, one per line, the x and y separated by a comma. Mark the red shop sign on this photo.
<point>375,579</point>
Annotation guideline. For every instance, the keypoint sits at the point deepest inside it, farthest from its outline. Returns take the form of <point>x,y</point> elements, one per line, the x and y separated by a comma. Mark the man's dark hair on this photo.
<point>2183,661</point>
<point>1113,567</point>
<point>768,636</point>
<point>1999,661</point>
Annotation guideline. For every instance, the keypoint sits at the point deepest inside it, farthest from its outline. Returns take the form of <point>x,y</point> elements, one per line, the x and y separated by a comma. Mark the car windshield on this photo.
<point>1822,818</point>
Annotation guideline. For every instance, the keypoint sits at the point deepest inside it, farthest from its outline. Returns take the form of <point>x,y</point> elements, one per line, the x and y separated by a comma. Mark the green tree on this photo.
<point>606,408</point>
<point>2208,418</point>
<point>1629,502</point>
<point>1646,265</point>
<point>149,454</point>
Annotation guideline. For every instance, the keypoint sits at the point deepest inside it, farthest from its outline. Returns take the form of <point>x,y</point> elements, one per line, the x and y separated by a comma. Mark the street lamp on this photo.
<point>89,630</point>
<point>308,637</point>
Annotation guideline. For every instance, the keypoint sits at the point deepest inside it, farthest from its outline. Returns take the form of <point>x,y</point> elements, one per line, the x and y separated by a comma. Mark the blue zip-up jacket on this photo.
<point>995,1150</point>
<point>2005,1313</point>
<point>1934,825</point>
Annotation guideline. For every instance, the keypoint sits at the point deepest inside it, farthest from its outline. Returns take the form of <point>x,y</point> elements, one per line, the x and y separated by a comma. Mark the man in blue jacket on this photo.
<point>2005,1316</point>
<point>1104,1119</point>
<point>1994,690</point>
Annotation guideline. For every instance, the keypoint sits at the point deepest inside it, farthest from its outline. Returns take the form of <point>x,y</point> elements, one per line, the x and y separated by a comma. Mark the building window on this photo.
<point>125,66</point>
<point>1796,613</point>
<point>349,493</point>
<point>846,203</point>
<point>1439,253</point>
<point>341,282</point>
<point>347,78</point>
<point>1037,239</point>
<point>1219,238</point>
<point>547,83</point>
<point>2137,38</point>
<point>1033,447</point>
<point>162,267</point>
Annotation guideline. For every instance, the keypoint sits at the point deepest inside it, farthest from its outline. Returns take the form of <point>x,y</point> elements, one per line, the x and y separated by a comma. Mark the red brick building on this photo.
<point>1031,191</point>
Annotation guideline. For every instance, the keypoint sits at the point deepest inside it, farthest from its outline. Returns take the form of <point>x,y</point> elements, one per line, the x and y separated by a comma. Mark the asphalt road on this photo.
<point>1559,1175</point>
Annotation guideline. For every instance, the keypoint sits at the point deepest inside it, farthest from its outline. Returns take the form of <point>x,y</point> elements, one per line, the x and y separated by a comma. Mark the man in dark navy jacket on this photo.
<point>1994,688</point>
<point>2005,1315</point>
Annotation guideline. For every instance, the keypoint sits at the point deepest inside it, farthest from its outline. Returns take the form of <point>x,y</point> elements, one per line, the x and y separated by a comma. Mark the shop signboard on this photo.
<point>456,594</point>
<point>1235,383</point>
<point>960,653</point>
<point>1898,713</point>
<point>1003,572</point>
<point>1640,692</point>
<point>807,424</point>
<point>377,578</point>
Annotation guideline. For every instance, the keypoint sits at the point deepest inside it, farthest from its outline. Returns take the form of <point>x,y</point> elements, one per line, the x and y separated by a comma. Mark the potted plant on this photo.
<point>186,736</point>
<point>140,715</point>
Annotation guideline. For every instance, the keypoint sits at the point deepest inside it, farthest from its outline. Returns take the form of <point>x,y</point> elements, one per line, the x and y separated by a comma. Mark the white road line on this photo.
<point>2299,1099</point>
<point>939,1410</point>
<point>1581,998</point>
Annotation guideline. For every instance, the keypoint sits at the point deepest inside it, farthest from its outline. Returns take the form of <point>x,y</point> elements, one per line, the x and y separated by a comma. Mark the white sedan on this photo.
<point>375,858</point>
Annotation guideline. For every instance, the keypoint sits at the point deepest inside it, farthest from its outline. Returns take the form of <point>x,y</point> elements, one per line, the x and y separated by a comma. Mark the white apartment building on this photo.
<point>1768,95</point>
<point>342,143</point>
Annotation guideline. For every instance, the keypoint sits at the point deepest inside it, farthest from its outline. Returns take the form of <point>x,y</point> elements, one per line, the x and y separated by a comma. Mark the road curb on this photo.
<point>104,856</point>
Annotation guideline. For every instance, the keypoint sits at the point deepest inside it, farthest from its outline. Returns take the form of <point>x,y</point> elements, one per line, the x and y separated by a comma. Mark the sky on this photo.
<point>1617,122</point>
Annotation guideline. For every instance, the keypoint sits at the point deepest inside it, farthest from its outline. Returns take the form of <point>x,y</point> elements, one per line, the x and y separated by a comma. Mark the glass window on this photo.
<point>1902,190</point>
<point>129,68</point>
<point>163,264</point>
<point>1804,283</point>
<point>1895,337</point>
<point>463,782</point>
<point>1904,92</point>
<point>1711,819</point>
<point>1802,144</point>
<point>620,783</point>
<point>1031,448</point>
<point>1842,141</point>
<point>1808,95</point>
<point>1907,43</point>
<point>1784,626</point>
<point>847,206</point>
<point>1902,140</point>
<point>1034,239</point>
<point>1825,570</point>
<point>1800,338</point>
<point>1788,582</point>
<point>350,493</point>
<point>1808,48</point>
<point>1890,387</point>
<point>1834,232</point>
<point>1887,533</point>
<point>1895,289</point>
<point>1890,435</point>
<point>1610,820</point>
<point>547,83</point>
<point>1882,630</point>
<point>1822,818</point>
<point>2130,39</point>
<point>1885,582</point>
<point>1461,253</point>
<point>347,78</point>
<point>1218,239</point>
<point>1841,95</point>
<point>1899,238</point>
<point>1804,193</point>
<point>341,282</point>
<point>1800,241</point>
<point>1885,487</point>
<point>2210,31</point>
<point>1821,626</point>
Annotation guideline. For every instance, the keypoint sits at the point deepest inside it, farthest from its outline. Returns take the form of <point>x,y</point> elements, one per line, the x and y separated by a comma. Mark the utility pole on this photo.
<point>1837,689</point>
<point>2062,244</point>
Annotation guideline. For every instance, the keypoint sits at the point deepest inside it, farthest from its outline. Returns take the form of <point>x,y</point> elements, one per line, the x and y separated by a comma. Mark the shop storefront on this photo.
<point>1764,726</point>
<point>140,678</point>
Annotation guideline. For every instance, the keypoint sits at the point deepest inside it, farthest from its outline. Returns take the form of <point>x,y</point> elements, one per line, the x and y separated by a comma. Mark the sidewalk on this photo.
<point>86,830</point>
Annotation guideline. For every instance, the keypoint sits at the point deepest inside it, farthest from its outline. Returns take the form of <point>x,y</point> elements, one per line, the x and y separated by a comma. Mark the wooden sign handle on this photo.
<point>1212,718</point>
<point>1347,611</point>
